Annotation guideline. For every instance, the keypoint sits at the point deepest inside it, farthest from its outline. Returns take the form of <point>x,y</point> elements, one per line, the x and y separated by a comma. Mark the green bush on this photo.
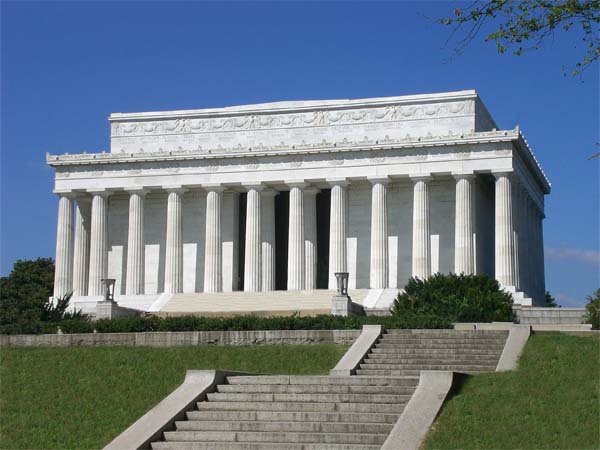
<point>25,299</point>
<point>593,310</point>
<point>455,298</point>
<point>236,323</point>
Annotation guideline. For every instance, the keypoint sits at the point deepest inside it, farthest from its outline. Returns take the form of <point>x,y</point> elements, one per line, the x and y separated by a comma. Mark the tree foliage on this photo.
<point>458,298</point>
<point>520,25</point>
<point>25,297</point>
<point>593,309</point>
<point>550,300</point>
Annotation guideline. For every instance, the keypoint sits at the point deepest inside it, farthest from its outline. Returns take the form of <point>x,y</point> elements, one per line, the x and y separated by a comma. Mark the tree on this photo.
<point>26,304</point>
<point>25,291</point>
<point>593,309</point>
<point>520,25</point>
<point>550,300</point>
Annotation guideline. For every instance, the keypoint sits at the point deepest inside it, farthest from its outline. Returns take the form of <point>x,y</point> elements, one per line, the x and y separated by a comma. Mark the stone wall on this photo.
<point>174,339</point>
<point>537,315</point>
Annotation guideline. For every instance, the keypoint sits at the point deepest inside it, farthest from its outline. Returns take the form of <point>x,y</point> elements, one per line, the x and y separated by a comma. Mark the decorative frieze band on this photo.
<point>320,117</point>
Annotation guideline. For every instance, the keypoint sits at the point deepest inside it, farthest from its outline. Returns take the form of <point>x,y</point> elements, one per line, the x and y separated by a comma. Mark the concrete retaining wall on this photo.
<point>172,338</point>
<point>539,315</point>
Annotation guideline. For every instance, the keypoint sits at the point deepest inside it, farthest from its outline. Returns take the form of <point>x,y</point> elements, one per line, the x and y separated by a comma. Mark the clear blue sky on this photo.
<point>67,66</point>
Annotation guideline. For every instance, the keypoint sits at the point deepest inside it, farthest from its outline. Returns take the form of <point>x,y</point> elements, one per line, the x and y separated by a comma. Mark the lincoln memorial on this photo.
<point>280,196</point>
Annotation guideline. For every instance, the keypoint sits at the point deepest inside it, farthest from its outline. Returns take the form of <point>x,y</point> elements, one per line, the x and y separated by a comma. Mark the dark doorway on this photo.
<point>323,205</point>
<point>282,208</point>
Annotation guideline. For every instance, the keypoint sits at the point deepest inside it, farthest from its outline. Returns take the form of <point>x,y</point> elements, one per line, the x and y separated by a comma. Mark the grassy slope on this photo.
<point>551,402</point>
<point>81,397</point>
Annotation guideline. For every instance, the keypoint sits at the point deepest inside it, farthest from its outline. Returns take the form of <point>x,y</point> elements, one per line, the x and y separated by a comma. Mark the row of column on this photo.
<point>518,238</point>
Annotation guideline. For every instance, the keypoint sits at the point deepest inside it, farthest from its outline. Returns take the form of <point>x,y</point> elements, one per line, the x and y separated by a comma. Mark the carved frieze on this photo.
<point>271,121</point>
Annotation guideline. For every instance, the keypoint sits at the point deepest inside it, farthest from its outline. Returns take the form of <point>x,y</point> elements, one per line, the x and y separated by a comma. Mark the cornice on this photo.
<point>532,162</point>
<point>283,149</point>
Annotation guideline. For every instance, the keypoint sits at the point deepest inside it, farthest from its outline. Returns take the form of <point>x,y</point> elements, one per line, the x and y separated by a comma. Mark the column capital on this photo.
<point>213,187</point>
<point>137,190</point>
<point>175,188</point>
<point>312,190</point>
<point>421,177</point>
<point>254,187</point>
<point>296,184</point>
<point>343,182</point>
<point>100,192</point>
<point>378,180</point>
<point>66,194</point>
<point>469,175</point>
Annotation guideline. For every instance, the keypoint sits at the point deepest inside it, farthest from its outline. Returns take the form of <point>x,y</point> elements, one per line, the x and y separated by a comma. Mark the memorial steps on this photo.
<point>262,303</point>
<point>331,412</point>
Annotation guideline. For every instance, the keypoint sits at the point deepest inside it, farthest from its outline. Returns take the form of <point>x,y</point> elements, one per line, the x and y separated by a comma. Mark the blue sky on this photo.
<point>66,66</point>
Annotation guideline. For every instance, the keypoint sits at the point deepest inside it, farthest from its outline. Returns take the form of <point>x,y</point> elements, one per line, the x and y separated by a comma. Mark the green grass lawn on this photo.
<point>82,397</point>
<point>551,402</point>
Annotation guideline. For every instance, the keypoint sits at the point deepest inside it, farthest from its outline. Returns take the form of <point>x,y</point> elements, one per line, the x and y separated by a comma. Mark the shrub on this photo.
<point>236,323</point>
<point>455,298</point>
<point>593,310</point>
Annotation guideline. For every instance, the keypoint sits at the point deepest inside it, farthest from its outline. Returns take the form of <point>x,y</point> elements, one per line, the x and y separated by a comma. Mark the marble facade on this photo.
<point>283,195</point>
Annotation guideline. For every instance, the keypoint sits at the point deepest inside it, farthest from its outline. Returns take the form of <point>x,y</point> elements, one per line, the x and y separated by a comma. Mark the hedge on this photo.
<point>235,323</point>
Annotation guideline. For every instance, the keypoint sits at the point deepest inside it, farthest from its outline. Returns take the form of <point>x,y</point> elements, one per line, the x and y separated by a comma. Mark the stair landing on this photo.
<point>272,303</point>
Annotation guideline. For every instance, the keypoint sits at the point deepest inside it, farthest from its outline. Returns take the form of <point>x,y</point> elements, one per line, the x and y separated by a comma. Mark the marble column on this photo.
<point>338,229</point>
<point>421,252</point>
<point>98,243</point>
<point>310,238</point>
<point>63,273</point>
<point>81,257</point>
<point>213,281</point>
<point>296,258</point>
<point>379,237</point>
<point>252,261</point>
<point>267,221</point>
<point>134,284</point>
<point>505,250</point>
<point>517,242</point>
<point>464,261</point>
<point>174,242</point>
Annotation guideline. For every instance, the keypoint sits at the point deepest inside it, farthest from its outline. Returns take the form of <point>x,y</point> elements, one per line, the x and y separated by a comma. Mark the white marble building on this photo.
<point>279,196</point>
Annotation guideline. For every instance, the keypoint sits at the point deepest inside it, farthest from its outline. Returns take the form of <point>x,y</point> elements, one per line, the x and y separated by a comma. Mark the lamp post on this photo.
<point>109,293</point>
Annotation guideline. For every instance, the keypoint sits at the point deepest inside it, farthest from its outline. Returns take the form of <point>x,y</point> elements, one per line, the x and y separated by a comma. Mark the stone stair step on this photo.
<point>303,398</point>
<point>257,446</point>
<point>440,345</point>
<point>304,406</point>
<point>429,360</point>
<point>430,366</point>
<point>450,333</point>
<point>249,436</point>
<point>433,351</point>
<point>322,380</point>
<point>314,389</point>
<point>283,426</point>
<point>447,342</point>
<point>402,372</point>
<point>291,416</point>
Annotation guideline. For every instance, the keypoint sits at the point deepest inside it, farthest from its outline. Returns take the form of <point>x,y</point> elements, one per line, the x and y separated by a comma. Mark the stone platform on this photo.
<point>272,303</point>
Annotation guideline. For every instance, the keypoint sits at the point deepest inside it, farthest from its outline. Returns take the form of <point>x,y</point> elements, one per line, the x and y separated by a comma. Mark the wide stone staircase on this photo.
<point>356,412</point>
